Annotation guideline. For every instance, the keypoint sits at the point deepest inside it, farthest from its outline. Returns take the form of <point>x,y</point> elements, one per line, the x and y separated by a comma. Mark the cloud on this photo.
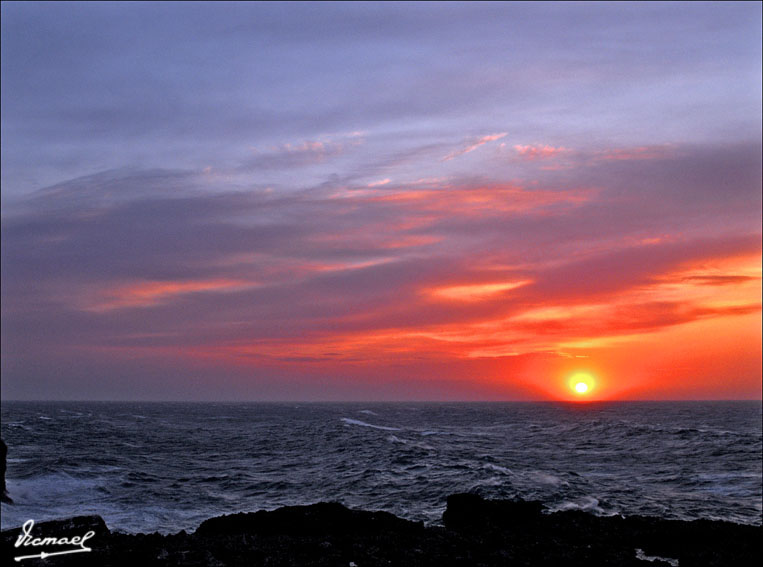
<point>255,225</point>
<point>471,198</point>
<point>719,279</point>
<point>538,152</point>
<point>144,294</point>
<point>474,144</point>
<point>153,264</point>
<point>635,153</point>
<point>611,272</point>
<point>302,154</point>
<point>474,292</point>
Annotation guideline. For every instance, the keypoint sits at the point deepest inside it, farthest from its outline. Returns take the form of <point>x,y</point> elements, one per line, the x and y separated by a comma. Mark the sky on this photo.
<point>381,201</point>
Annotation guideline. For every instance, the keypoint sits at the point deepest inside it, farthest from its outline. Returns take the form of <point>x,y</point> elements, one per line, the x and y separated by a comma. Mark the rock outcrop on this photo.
<point>476,532</point>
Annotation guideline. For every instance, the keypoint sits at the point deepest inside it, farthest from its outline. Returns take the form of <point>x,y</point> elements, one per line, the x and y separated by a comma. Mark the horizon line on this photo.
<point>570,401</point>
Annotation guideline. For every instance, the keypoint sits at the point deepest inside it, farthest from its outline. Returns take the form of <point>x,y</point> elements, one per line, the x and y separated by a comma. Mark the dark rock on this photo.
<point>3,465</point>
<point>316,519</point>
<point>477,533</point>
<point>469,511</point>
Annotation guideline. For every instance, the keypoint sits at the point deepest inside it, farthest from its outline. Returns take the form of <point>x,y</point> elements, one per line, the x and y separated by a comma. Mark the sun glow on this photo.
<point>581,383</point>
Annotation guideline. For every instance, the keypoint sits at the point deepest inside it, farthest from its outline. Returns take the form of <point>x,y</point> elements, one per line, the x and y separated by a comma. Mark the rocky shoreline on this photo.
<point>475,532</point>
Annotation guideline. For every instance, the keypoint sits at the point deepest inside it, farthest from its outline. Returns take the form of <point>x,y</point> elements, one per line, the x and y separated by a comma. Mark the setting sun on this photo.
<point>582,383</point>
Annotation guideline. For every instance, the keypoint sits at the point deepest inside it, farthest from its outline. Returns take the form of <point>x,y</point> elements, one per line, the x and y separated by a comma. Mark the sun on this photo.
<point>582,383</point>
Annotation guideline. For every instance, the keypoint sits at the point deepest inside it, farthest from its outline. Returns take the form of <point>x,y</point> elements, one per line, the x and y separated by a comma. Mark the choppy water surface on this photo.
<point>168,466</point>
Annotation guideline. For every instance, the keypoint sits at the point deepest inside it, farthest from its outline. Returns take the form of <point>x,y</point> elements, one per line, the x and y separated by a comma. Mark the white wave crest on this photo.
<point>350,421</point>
<point>499,468</point>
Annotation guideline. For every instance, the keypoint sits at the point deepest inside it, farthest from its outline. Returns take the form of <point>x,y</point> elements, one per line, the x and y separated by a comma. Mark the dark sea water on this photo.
<point>168,466</point>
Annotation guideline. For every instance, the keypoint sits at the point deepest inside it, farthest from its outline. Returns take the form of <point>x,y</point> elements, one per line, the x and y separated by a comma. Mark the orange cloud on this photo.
<point>462,326</point>
<point>476,200</point>
<point>144,294</point>
<point>672,319</point>
<point>474,292</point>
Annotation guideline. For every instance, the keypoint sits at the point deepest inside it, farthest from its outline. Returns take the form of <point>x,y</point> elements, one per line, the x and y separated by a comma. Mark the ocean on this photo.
<point>164,467</point>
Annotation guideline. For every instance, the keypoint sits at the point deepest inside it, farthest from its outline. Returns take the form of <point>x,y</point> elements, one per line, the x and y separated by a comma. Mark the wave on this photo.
<point>643,557</point>
<point>177,468</point>
<point>498,468</point>
<point>351,421</point>
<point>50,495</point>
<point>72,414</point>
<point>546,478</point>
<point>584,503</point>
